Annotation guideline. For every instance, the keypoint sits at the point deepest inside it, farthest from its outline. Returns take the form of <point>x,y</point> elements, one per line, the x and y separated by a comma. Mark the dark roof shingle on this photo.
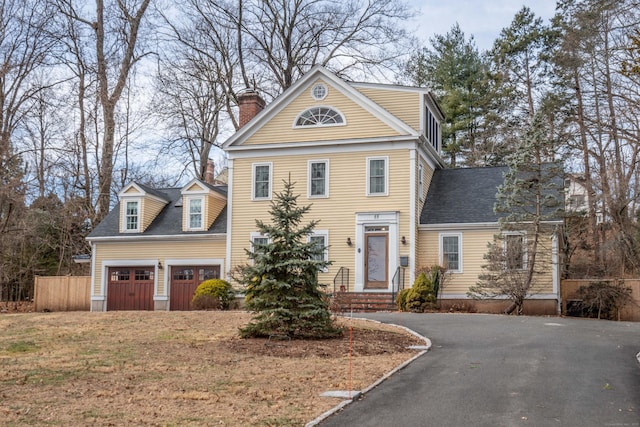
<point>168,222</point>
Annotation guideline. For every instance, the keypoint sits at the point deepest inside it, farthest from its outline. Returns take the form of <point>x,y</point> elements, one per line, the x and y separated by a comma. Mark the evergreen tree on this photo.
<point>282,288</point>
<point>529,199</point>
<point>457,74</point>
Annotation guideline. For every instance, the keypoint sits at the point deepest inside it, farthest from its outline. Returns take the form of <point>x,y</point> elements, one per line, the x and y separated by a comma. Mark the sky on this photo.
<point>482,18</point>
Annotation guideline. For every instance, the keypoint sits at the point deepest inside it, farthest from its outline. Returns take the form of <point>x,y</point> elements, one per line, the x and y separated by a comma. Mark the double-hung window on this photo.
<point>132,215</point>
<point>262,181</point>
<point>320,239</point>
<point>195,214</point>
<point>377,176</point>
<point>515,251</point>
<point>451,252</point>
<point>318,178</point>
<point>258,242</point>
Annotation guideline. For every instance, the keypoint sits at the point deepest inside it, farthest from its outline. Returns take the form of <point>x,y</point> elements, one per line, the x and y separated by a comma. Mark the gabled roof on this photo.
<point>167,223</point>
<point>143,190</point>
<point>466,196</point>
<point>299,86</point>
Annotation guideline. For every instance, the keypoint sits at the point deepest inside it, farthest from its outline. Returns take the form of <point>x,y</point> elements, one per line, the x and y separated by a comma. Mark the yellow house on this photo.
<point>365,156</point>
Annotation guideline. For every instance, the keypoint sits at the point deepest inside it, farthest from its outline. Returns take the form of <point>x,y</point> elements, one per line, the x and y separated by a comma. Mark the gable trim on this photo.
<point>317,72</point>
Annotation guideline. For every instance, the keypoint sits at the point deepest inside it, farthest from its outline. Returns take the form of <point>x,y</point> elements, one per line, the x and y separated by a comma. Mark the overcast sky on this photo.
<point>482,18</point>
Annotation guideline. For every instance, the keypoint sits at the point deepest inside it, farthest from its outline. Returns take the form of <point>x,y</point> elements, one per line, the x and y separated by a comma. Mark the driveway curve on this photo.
<point>491,370</point>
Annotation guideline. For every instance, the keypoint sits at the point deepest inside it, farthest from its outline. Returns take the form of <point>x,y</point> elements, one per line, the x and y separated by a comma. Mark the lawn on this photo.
<point>178,368</point>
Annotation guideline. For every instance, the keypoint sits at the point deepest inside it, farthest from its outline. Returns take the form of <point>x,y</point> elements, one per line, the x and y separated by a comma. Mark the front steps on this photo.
<point>361,302</point>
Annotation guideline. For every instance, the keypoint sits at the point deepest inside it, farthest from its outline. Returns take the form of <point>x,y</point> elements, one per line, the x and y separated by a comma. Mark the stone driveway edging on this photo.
<point>344,403</point>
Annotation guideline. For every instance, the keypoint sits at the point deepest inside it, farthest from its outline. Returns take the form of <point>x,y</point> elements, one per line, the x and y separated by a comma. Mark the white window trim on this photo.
<point>253,180</point>
<point>256,234</point>
<point>326,179</point>
<point>525,247</point>
<point>386,176</point>
<point>325,234</point>
<point>441,251</point>
<point>313,91</point>
<point>189,199</point>
<point>319,125</point>
<point>124,202</point>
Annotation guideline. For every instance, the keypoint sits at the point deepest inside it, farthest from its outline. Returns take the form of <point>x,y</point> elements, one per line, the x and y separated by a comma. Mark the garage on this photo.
<point>130,288</point>
<point>185,280</point>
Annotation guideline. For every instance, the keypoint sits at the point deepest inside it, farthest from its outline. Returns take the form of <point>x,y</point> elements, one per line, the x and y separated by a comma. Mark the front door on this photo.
<point>376,260</point>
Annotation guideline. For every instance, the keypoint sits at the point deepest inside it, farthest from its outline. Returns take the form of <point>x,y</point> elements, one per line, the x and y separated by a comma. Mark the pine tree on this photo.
<point>529,199</point>
<point>281,280</point>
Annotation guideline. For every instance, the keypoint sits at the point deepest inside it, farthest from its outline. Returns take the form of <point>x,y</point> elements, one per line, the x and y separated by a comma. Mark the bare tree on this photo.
<point>219,48</point>
<point>114,30</point>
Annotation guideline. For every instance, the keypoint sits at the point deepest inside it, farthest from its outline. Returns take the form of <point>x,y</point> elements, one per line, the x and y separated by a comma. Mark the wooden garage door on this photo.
<point>130,288</point>
<point>185,280</point>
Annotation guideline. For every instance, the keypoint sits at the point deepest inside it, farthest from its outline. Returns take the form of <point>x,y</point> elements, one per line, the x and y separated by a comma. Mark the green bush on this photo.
<point>213,294</point>
<point>422,295</point>
<point>401,299</point>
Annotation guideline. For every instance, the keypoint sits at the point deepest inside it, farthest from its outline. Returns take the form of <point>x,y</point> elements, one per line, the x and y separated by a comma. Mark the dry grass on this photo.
<point>177,368</point>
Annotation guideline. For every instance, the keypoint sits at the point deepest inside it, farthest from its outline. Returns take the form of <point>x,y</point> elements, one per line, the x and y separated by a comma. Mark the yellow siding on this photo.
<point>474,246</point>
<point>402,104</point>
<point>214,207</point>
<point>131,251</point>
<point>150,209</point>
<point>194,187</point>
<point>132,191</point>
<point>337,214</point>
<point>360,123</point>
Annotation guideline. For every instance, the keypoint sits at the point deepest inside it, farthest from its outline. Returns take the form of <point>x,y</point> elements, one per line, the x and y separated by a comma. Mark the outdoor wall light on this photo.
<point>349,241</point>
<point>159,265</point>
<point>403,240</point>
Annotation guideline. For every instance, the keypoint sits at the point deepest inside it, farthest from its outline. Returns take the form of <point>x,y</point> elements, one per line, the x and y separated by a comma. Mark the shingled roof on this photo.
<point>468,195</point>
<point>167,223</point>
<point>461,196</point>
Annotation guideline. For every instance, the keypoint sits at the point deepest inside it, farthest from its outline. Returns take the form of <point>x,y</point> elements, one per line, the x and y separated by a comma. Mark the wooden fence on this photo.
<point>62,293</point>
<point>569,288</point>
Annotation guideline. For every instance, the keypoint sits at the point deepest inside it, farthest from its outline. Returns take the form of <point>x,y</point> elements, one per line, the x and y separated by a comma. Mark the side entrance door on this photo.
<point>185,280</point>
<point>376,258</point>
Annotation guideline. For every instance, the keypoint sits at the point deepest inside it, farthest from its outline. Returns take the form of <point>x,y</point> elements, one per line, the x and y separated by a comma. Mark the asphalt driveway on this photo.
<point>490,370</point>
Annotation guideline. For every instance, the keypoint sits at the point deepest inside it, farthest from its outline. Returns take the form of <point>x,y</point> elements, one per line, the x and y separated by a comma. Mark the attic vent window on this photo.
<point>319,92</point>
<point>319,116</point>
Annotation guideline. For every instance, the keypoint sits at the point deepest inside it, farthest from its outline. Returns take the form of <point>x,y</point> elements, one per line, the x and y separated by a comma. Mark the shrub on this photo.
<point>421,296</point>
<point>604,300</point>
<point>213,294</point>
<point>401,299</point>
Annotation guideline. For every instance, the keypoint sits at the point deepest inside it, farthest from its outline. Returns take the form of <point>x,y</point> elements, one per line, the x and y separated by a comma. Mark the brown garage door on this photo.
<point>185,280</point>
<point>130,288</point>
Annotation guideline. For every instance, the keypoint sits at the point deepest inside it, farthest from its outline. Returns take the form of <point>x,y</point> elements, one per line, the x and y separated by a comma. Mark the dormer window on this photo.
<point>319,116</point>
<point>132,216</point>
<point>195,213</point>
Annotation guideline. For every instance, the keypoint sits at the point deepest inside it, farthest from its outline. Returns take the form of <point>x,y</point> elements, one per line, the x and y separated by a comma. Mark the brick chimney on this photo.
<point>249,104</point>
<point>209,176</point>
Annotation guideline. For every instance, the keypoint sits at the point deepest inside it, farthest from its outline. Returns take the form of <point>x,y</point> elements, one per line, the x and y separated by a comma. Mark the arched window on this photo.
<point>319,116</point>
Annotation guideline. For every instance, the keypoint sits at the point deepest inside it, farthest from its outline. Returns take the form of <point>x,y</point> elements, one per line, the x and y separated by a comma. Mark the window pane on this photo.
<point>376,176</point>
<point>319,241</point>
<point>318,178</point>
<point>318,116</point>
<point>262,181</point>
<point>195,213</point>
<point>132,216</point>
<point>514,252</point>
<point>451,252</point>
